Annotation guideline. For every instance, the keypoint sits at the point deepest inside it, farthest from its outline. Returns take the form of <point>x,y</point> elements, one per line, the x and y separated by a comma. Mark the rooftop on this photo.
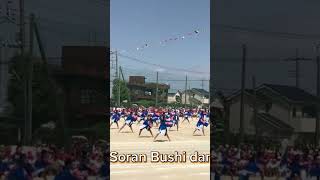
<point>292,93</point>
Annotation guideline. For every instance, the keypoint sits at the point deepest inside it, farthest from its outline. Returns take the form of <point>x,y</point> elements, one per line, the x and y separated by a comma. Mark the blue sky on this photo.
<point>137,22</point>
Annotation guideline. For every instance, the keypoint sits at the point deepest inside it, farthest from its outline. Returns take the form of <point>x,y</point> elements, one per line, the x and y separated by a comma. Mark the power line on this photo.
<point>161,66</point>
<point>287,35</point>
<point>82,25</point>
<point>249,60</point>
<point>181,80</point>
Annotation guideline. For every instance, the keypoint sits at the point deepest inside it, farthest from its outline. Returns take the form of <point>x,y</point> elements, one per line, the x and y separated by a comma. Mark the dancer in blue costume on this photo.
<point>129,121</point>
<point>115,118</point>
<point>201,123</point>
<point>163,129</point>
<point>147,124</point>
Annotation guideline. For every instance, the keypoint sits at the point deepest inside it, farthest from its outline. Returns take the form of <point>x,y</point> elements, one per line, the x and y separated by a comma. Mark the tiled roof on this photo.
<point>201,91</point>
<point>292,93</point>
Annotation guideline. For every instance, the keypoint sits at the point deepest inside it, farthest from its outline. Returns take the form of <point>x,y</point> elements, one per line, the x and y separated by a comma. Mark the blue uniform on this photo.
<point>155,118</point>
<point>315,171</point>
<point>252,167</point>
<point>115,117</point>
<point>200,123</point>
<point>186,115</point>
<point>146,124</point>
<point>142,117</point>
<point>129,120</point>
<point>163,128</point>
<point>175,118</point>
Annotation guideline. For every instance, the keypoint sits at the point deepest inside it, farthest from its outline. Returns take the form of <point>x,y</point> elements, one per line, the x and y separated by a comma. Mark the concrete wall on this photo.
<point>299,123</point>
<point>183,98</point>
<point>235,118</point>
<point>304,125</point>
<point>171,99</point>
<point>280,112</point>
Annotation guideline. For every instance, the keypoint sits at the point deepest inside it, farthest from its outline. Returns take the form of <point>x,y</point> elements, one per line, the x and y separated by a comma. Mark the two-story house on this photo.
<point>195,96</point>
<point>174,97</point>
<point>83,76</point>
<point>141,90</point>
<point>282,111</point>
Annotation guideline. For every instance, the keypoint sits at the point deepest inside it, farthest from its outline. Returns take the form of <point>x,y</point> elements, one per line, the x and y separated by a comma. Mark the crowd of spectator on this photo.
<point>81,162</point>
<point>246,161</point>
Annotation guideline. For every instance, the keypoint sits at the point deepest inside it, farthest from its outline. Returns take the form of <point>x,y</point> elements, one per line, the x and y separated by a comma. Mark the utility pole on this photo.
<point>121,72</point>
<point>119,90</point>
<point>116,63</point>
<point>118,77</point>
<point>185,92</point>
<point>202,84</point>
<point>243,83</point>
<point>22,51</point>
<point>22,26</point>
<point>190,97</point>
<point>31,24</point>
<point>58,92</point>
<point>297,60</point>
<point>297,69</point>
<point>2,63</point>
<point>40,45</point>
<point>318,94</point>
<point>29,84</point>
<point>255,110</point>
<point>157,89</point>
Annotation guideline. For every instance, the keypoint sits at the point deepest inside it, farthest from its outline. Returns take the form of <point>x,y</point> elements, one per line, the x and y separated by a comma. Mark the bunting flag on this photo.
<point>165,41</point>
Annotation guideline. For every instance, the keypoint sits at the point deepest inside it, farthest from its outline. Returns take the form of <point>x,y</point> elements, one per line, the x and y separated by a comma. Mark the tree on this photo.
<point>44,101</point>
<point>178,99</point>
<point>221,125</point>
<point>145,103</point>
<point>124,91</point>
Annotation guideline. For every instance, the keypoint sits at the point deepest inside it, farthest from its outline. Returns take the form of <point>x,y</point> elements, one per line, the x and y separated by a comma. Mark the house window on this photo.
<point>88,96</point>
<point>294,112</point>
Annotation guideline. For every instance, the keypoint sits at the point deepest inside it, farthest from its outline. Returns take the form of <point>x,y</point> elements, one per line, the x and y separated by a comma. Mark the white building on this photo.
<point>195,96</point>
<point>172,97</point>
<point>282,111</point>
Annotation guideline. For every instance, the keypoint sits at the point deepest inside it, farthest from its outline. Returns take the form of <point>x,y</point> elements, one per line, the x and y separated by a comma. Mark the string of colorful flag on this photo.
<point>170,39</point>
<point>162,42</point>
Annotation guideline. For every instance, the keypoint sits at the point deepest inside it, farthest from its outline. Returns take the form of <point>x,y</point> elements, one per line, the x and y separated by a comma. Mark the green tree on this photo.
<point>145,103</point>
<point>178,99</point>
<point>44,101</point>
<point>124,91</point>
<point>221,122</point>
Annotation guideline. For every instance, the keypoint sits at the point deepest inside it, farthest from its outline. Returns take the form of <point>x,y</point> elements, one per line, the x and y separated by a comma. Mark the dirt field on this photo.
<point>182,140</point>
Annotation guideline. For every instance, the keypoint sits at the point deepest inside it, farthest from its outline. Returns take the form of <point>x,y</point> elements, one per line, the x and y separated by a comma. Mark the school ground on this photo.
<point>127,142</point>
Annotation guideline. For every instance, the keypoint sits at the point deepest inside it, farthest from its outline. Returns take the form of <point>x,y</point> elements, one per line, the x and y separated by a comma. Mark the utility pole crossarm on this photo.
<point>297,59</point>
